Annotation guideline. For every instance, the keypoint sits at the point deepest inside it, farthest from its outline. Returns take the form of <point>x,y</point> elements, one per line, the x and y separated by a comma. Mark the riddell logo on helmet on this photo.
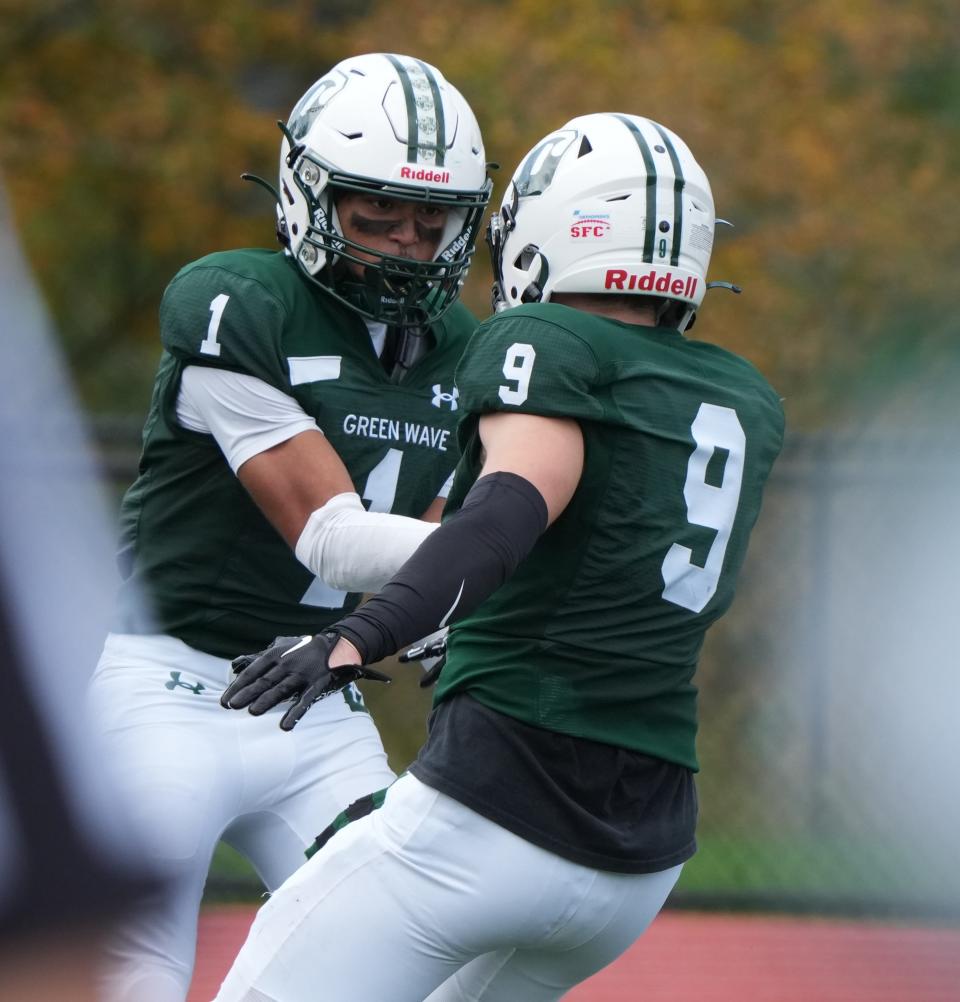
<point>425,174</point>
<point>628,281</point>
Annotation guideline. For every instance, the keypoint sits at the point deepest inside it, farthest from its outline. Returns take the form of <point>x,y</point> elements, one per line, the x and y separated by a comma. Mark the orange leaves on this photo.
<point>829,133</point>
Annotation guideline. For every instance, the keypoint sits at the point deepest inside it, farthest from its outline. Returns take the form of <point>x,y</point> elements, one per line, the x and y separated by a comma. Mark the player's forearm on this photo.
<point>353,549</point>
<point>454,570</point>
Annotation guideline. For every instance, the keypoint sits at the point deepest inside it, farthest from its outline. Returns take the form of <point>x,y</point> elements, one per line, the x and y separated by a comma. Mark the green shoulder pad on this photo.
<point>228,311</point>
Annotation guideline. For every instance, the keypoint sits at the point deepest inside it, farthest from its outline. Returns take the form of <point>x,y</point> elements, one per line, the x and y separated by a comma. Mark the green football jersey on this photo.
<point>598,632</point>
<point>216,572</point>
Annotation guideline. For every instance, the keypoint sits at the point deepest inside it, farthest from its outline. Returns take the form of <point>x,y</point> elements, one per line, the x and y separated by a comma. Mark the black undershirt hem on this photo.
<point>596,861</point>
<point>598,805</point>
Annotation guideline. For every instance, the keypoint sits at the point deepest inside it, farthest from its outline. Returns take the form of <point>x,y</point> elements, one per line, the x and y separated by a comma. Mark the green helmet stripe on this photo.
<point>426,128</point>
<point>678,184</point>
<point>441,140</point>
<point>412,124</point>
<point>650,213</point>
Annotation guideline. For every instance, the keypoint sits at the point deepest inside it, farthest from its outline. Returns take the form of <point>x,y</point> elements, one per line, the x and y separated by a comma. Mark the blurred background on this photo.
<point>830,736</point>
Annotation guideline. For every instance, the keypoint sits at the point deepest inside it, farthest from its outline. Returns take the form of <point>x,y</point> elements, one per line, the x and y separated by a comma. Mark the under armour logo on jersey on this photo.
<point>176,683</point>
<point>440,398</point>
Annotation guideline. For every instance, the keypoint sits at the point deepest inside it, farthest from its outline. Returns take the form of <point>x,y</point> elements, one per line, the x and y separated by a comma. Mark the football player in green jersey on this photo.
<point>299,443</point>
<point>612,470</point>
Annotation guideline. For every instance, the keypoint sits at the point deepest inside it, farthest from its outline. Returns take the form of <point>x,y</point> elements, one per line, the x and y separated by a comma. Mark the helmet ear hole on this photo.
<point>529,258</point>
<point>526,257</point>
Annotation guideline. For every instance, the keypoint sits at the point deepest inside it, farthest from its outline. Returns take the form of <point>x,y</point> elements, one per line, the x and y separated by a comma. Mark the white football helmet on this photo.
<point>609,203</point>
<point>392,125</point>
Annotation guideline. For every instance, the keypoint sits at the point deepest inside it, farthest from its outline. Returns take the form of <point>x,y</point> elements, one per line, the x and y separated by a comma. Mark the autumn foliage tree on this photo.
<point>831,133</point>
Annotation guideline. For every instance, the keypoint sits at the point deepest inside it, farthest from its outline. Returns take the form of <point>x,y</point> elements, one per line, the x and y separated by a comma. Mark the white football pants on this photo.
<point>424,897</point>
<point>196,773</point>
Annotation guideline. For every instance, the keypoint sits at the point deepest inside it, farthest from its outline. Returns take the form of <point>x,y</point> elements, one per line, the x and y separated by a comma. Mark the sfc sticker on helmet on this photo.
<point>589,225</point>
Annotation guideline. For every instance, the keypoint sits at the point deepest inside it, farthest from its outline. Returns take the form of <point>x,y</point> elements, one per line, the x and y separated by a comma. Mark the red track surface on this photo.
<point>718,958</point>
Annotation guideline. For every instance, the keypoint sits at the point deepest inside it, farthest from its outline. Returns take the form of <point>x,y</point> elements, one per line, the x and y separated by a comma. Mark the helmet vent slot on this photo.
<point>619,198</point>
<point>585,147</point>
<point>351,135</point>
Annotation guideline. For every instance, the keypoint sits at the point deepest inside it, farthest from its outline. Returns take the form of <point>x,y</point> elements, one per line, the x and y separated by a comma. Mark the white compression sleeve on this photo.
<point>353,549</point>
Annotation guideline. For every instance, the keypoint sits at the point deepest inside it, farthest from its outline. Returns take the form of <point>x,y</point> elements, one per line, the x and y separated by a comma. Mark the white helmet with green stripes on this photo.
<point>392,125</point>
<point>611,204</point>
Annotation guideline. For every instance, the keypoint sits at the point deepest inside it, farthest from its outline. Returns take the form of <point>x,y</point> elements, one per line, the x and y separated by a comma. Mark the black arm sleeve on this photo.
<point>454,569</point>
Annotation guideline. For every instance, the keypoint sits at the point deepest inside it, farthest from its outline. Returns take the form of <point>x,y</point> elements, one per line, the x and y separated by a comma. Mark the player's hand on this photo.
<point>431,652</point>
<point>293,668</point>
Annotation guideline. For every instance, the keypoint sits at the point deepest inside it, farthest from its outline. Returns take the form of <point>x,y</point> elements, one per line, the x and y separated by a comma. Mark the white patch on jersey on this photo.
<point>314,368</point>
<point>322,596</point>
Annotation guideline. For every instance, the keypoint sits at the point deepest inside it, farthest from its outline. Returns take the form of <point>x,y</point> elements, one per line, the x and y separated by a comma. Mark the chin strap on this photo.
<point>370,296</point>
<point>366,294</point>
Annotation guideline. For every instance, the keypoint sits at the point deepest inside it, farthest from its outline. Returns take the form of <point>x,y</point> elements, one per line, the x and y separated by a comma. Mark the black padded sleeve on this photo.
<point>454,569</point>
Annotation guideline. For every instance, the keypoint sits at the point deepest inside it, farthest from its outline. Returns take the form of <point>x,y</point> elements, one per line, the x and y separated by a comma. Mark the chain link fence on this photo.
<point>829,738</point>
<point>830,701</point>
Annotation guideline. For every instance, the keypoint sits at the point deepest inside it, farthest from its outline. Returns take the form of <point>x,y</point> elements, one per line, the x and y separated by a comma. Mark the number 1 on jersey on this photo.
<point>210,345</point>
<point>714,428</point>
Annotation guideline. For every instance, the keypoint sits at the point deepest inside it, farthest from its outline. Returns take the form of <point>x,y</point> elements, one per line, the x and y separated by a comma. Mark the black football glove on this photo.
<point>290,668</point>
<point>432,651</point>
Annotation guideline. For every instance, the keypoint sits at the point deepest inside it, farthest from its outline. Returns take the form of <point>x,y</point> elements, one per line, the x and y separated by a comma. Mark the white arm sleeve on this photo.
<point>244,414</point>
<point>353,549</point>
